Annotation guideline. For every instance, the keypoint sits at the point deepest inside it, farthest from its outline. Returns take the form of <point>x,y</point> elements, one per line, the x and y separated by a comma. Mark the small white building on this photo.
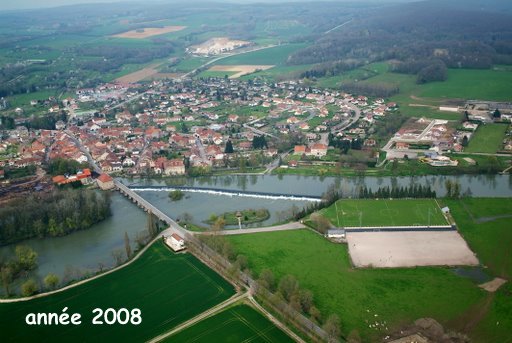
<point>175,242</point>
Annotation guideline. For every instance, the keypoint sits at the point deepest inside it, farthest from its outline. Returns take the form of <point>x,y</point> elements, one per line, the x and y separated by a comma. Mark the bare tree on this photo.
<point>332,327</point>
<point>127,246</point>
<point>117,255</point>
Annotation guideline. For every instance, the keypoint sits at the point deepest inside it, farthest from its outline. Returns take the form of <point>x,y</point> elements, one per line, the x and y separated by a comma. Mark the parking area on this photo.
<point>409,249</point>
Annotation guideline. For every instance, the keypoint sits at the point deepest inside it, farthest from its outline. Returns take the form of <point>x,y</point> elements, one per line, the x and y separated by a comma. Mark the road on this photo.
<point>202,152</point>
<point>91,161</point>
<point>284,227</point>
<point>200,317</point>
<point>259,132</point>
<point>353,120</point>
<point>337,27</point>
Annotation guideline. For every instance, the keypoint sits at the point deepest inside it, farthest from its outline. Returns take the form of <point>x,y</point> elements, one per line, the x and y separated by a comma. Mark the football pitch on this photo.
<point>168,289</point>
<point>240,323</point>
<point>384,212</point>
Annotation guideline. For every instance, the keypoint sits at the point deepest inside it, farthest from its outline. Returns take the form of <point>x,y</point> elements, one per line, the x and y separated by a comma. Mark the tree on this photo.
<point>306,300</point>
<point>241,261</point>
<point>27,258</point>
<point>315,314</point>
<point>496,114</point>
<point>332,327</point>
<point>151,225</point>
<point>127,247</point>
<point>29,287</point>
<point>267,279</point>
<point>7,274</point>
<point>465,141</point>
<point>322,223</point>
<point>288,286</point>
<point>449,185</point>
<point>229,147</point>
<point>117,255</point>
<point>51,281</point>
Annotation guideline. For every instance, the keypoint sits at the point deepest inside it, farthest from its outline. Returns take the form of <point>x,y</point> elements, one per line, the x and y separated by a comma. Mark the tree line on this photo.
<point>412,191</point>
<point>55,214</point>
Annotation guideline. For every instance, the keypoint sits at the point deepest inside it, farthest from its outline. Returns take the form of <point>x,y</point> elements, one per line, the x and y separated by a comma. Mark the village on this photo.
<point>196,127</point>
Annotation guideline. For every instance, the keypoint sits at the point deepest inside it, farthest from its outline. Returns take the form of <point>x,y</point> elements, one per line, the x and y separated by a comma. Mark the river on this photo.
<point>85,251</point>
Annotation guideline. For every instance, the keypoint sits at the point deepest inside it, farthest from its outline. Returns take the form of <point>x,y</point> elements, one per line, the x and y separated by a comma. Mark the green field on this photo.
<point>168,289</point>
<point>485,224</point>
<point>271,56</point>
<point>370,212</point>
<point>397,296</point>
<point>487,138</point>
<point>240,323</point>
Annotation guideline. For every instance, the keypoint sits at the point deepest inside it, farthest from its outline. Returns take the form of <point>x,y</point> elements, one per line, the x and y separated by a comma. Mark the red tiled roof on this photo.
<point>104,178</point>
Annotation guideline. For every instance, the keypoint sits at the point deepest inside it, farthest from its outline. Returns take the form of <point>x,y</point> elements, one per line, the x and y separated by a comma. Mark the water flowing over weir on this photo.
<point>230,193</point>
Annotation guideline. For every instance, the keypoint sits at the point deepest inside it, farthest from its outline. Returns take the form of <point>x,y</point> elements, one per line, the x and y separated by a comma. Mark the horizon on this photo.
<point>35,4</point>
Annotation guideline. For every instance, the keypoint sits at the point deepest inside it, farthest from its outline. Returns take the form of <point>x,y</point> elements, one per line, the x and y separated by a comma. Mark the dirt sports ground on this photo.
<point>409,249</point>
<point>240,70</point>
<point>149,32</point>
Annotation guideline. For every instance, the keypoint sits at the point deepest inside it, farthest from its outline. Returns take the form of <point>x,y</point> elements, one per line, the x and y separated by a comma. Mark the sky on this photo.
<point>27,4</point>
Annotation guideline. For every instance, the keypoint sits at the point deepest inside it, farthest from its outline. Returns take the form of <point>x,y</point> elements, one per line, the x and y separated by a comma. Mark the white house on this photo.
<point>175,242</point>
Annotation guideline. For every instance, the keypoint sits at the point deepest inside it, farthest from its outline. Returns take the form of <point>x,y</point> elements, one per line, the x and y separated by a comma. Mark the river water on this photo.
<point>85,251</point>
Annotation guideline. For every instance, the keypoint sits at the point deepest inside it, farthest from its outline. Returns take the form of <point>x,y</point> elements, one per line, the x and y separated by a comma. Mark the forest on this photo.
<point>49,215</point>
<point>422,38</point>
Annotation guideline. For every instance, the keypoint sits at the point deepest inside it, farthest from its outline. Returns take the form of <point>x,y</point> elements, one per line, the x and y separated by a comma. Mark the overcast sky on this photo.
<point>24,4</point>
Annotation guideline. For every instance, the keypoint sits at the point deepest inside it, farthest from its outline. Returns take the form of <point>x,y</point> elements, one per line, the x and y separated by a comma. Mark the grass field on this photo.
<point>396,296</point>
<point>240,323</point>
<point>487,138</point>
<point>485,224</point>
<point>168,289</point>
<point>399,212</point>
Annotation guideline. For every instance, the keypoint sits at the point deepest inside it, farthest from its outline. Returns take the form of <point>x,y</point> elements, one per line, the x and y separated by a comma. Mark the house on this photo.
<point>299,149</point>
<point>2,173</point>
<point>105,182</point>
<point>445,210</point>
<point>319,149</point>
<point>175,242</point>
<point>174,167</point>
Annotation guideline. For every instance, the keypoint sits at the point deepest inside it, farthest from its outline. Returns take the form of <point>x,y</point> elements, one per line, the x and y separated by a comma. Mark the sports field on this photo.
<point>271,56</point>
<point>384,212</point>
<point>240,323</point>
<point>396,295</point>
<point>168,289</point>
<point>487,138</point>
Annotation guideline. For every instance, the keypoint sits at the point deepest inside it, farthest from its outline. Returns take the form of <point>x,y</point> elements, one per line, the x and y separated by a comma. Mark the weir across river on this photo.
<point>141,202</point>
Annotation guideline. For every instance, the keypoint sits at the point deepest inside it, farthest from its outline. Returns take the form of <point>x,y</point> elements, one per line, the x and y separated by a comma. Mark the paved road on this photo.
<point>92,162</point>
<point>284,227</point>
<point>259,132</point>
<point>353,120</point>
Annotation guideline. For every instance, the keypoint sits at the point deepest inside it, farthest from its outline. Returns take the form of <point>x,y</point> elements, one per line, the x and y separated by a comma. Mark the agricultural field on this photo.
<point>393,297</point>
<point>396,212</point>
<point>487,139</point>
<point>149,32</point>
<point>239,70</point>
<point>240,323</point>
<point>168,289</point>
